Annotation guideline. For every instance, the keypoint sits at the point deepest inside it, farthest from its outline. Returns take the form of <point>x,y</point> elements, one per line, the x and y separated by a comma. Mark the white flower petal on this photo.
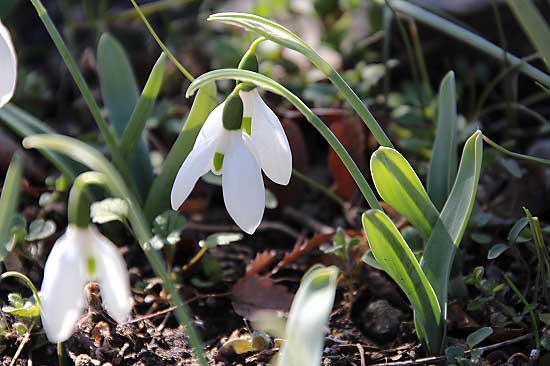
<point>197,163</point>
<point>62,292</point>
<point>212,127</point>
<point>113,278</point>
<point>268,139</point>
<point>243,186</point>
<point>8,66</point>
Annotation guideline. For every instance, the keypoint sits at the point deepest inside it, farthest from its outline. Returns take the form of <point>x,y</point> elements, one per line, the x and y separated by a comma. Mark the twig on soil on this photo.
<point>361,353</point>
<point>420,361</point>
<point>23,342</point>
<point>505,343</point>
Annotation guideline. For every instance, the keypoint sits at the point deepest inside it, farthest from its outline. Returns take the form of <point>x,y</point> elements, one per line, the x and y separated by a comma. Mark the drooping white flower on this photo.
<point>8,66</point>
<point>267,139</point>
<point>224,152</point>
<point>79,256</point>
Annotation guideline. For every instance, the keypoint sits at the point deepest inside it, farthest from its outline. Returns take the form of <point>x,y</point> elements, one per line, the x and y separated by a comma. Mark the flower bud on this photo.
<point>232,116</point>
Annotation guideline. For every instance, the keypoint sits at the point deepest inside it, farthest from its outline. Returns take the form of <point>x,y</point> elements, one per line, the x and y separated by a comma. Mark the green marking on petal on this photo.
<point>247,125</point>
<point>91,266</point>
<point>218,161</point>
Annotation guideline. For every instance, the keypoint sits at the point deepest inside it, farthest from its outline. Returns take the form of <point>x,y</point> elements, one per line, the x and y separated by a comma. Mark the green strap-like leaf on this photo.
<point>119,91</point>
<point>443,163</point>
<point>394,255</point>
<point>132,134</point>
<point>8,202</point>
<point>534,25</point>
<point>279,34</point>
<point>308,318</point>
<point>158,200</point>
<point>25,124</point>
<point>448,231</point>
<point>464,35</point>
<point>399,187</point>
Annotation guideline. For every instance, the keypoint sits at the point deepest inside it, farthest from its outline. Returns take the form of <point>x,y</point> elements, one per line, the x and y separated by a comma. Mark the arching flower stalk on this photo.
<point>8,65</point>
<point>240,138</point>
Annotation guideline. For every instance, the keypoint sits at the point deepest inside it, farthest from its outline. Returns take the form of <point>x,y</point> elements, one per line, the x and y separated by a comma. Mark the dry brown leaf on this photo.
<point>254,293</point>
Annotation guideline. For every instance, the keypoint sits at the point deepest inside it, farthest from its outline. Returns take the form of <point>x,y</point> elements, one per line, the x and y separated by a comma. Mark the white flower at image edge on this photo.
<point>239,156</point>
<point>8,66</point>
<point>79,256</point>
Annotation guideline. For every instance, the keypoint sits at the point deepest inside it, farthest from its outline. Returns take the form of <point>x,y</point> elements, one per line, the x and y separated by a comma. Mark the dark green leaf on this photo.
<point>496,250</point>
<point>479,336</point>
<point>444,154</point>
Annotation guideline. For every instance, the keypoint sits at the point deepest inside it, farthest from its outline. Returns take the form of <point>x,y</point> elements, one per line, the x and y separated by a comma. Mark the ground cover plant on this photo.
<point>193,183</point>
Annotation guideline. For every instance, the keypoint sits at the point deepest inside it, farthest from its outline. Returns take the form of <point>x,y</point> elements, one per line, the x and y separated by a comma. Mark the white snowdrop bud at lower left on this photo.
<point>8,66</point>
<point>79,256</point>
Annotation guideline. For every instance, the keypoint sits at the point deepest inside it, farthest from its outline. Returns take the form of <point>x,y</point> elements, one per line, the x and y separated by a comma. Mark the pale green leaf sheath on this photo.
<point>394,255</point>
<point>449,229</point>
<point>399,187</point>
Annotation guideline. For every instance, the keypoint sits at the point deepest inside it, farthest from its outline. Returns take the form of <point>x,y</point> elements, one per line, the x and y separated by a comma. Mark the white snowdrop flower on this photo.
<point>8,66</point>
<point>220,147</point>
<point>267,139</point>
<point>79,256</point>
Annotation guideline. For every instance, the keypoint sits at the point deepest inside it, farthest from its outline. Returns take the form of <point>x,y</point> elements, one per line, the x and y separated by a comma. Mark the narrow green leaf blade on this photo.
<point>8,202</point>
<point>399,186</point>
<point>444,155</point>
<point>448,231</point>
<point>133,132</point>
<point>394,255</point>
<point>119,91</point>
<point>24,124</point>
<point>534,24</point>
<point>464,35</point>
<point>158,200</point>
<point>119,88</point>
<point>308,318</point>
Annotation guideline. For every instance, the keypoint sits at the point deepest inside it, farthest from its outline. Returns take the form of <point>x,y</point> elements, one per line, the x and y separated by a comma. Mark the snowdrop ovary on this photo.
<point>79,256</point>
<point>8,65</point>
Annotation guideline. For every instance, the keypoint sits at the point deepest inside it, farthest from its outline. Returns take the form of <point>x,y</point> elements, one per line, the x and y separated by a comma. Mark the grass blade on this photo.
<point>534,25</point>
<point>468,37</point>
<point>448,231</point>
<point>394,255</point>
<point>444,156</point>
<point>399,187</point>
<point>8,202</point>
<point>120,94</point>
<point>159,196</point>
<point>307,321</point>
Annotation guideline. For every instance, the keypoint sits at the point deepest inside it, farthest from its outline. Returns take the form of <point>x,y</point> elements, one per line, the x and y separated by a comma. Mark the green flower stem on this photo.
<point>161,44</point>
<point>278,34</point>
<point>468,37</point>
<point>319,187</point>
<point>352,98</point>
<point>83,153</point>
<point>27,281</point>
<point>79,199</point>
<point>107,133</point>
<point>513,154</point>
<point>275,87</point>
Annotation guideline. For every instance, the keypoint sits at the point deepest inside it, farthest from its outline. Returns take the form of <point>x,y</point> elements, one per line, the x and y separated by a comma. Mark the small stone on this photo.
<point>381,321</point>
